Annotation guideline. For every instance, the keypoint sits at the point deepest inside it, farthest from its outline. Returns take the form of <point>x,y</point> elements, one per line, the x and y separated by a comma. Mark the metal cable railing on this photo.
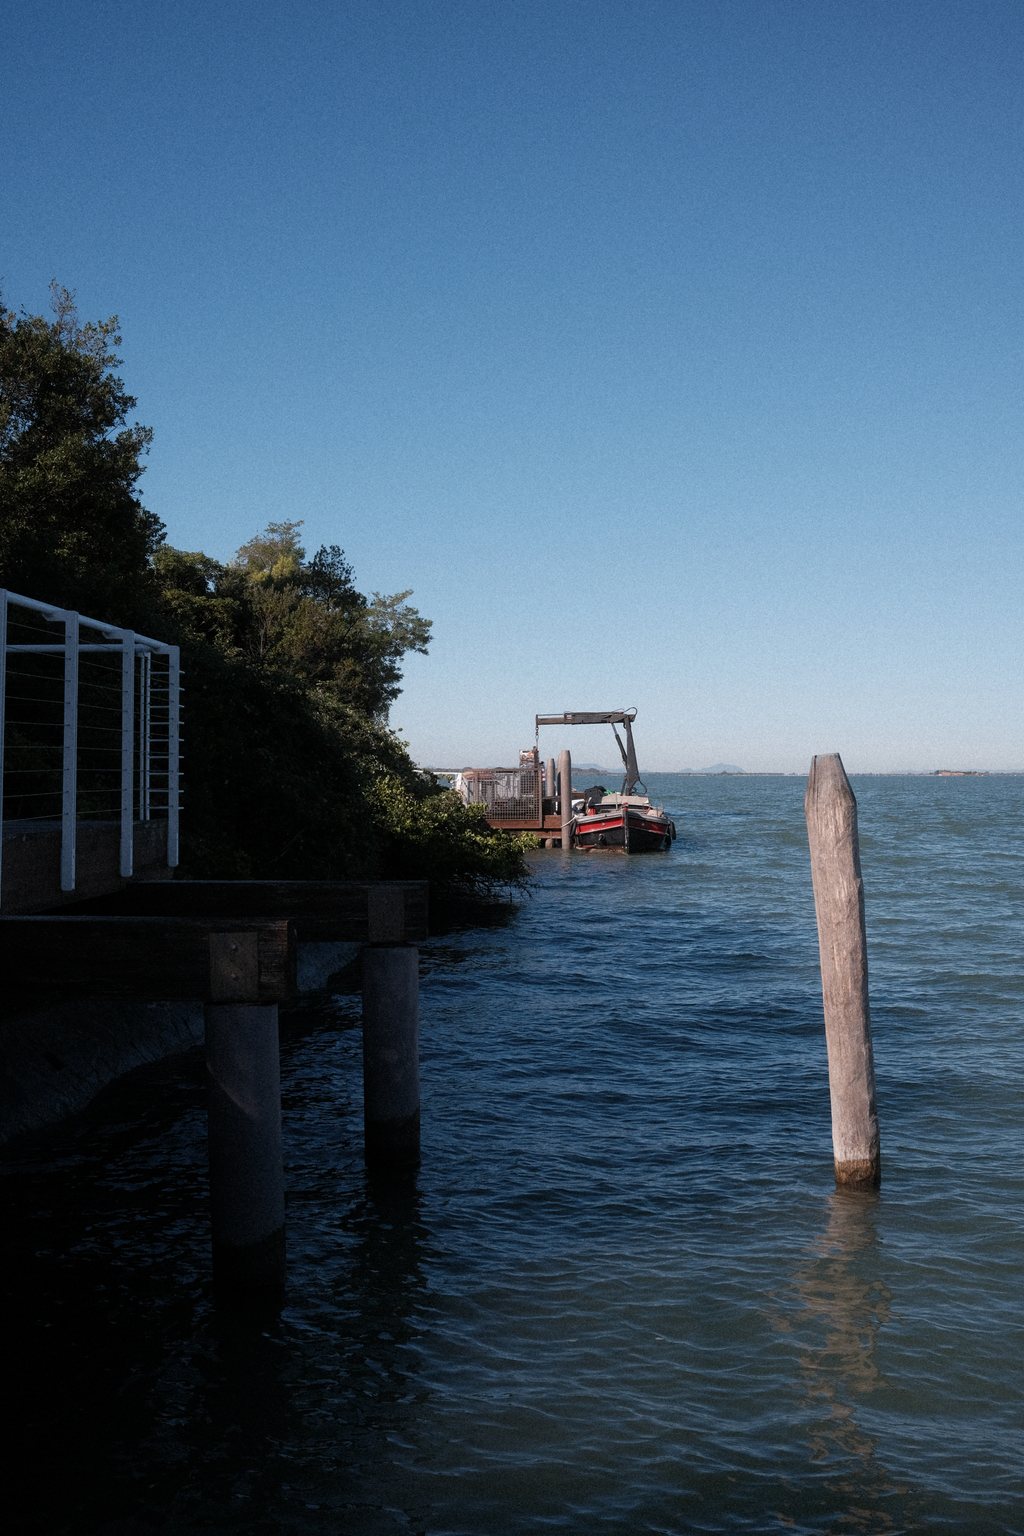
<point>89,726</point>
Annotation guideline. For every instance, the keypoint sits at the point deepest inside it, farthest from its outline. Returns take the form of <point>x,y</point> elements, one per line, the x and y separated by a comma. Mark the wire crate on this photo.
<point>510,794</point>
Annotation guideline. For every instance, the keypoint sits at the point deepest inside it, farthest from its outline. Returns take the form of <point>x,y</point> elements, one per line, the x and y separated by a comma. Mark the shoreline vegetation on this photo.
<point>291,770</point>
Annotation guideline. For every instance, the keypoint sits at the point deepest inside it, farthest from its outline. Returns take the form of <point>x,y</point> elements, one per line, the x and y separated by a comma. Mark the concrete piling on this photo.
<point>551,789</point>
<point>391,1073</point>
<point>565,796</point>
<point>233,943</point>
<point>246,1172</point>
<point>831,810</point>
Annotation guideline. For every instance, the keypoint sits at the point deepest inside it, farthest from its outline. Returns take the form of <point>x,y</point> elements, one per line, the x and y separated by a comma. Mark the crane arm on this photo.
<point>608,717</point>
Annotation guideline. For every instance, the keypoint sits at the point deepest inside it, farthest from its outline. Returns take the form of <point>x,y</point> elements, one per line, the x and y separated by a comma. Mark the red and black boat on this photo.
<point>624,820</point>
<point>629,822</point>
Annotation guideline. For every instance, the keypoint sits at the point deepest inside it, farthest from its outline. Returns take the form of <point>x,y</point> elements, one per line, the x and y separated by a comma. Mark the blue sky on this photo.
<point>670,352</point>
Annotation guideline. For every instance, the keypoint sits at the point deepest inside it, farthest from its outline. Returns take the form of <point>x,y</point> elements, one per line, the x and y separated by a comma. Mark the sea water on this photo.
<point>623,1294</point>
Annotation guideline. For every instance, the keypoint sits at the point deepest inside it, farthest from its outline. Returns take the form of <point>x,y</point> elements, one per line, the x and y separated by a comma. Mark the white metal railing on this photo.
<point>89,727</point>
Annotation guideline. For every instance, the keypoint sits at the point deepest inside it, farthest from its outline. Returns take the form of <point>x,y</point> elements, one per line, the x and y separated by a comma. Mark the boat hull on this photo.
<point>647,834</point>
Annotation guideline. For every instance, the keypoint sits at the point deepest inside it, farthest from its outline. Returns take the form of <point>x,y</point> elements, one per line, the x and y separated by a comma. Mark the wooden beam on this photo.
<point>234,967</point>
<point>549,825</point>
<point>321,909</point>
<point>163,958</point>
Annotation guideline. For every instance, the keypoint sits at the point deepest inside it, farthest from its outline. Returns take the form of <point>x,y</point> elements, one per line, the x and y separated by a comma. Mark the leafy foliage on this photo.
<point>427,832</point>
<point>302,621</point>
<point>291,768</point>
<point>73,530</point>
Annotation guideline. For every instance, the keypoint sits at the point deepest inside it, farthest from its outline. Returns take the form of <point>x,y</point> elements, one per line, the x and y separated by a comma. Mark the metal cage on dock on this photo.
<point>510,794</point>
<point>89,727</point>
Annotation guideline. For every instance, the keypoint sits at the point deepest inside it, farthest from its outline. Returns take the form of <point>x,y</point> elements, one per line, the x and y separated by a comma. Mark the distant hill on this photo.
<point>715,768</point>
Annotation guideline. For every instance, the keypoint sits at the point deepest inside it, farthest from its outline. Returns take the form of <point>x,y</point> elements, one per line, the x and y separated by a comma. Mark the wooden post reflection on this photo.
<point>845,1306</point>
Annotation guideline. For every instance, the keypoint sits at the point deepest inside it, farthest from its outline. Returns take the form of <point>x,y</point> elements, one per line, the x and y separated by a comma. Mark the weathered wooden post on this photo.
<point>831,810</point>
<point>246,1168</point>
<point>565,796</point>
<point>391,1038</point>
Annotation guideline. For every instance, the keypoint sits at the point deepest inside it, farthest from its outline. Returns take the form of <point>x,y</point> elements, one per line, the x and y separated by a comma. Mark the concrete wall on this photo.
<point>54,1060</point>
<point>30,867</point>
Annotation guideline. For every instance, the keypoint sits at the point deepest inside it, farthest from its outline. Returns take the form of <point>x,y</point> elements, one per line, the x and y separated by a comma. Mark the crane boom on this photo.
<point>612,717</point>
<point>608,717</point>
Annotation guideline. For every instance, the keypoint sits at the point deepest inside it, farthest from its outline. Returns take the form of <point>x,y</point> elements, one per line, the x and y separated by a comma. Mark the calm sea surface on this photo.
<point>623,1295</point>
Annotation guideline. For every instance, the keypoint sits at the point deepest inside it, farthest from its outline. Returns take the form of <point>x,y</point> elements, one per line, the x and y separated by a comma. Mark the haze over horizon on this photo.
<point>669,353</point>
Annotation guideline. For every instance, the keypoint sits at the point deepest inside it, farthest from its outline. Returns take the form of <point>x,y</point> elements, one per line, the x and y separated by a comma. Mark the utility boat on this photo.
<point>629,822</point>
<point>625,819</point>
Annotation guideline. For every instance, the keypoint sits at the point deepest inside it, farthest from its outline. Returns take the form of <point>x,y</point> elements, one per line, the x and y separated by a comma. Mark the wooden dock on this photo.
<point>90,909</point>
<point>535,796</point>
<point>524,798</point>
<point>541,826</point>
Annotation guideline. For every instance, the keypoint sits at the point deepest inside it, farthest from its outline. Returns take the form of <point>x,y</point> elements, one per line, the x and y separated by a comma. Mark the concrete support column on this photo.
<point>552,783</point>
<point>246,1171</point>
<point>391,1056</point>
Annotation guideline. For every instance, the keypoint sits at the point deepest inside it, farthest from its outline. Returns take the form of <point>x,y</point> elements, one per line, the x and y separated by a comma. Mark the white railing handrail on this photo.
<point>57,616</point>
<point>130,645</point>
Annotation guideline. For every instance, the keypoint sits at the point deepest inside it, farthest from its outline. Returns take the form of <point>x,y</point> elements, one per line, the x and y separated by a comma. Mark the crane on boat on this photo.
<point>625,820</point>
<point>612,717</point>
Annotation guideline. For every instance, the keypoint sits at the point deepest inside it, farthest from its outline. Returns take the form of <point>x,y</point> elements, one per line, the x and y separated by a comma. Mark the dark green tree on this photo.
<point>72,528</point>
<point>297,619</point>
<point>291,671</point>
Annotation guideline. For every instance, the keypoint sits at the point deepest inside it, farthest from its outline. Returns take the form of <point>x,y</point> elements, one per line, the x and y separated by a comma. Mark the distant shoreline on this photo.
<point>789,773</point>
<point>888,773</point>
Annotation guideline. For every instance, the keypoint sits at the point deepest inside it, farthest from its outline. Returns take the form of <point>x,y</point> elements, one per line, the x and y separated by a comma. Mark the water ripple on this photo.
<point>623,1295</point>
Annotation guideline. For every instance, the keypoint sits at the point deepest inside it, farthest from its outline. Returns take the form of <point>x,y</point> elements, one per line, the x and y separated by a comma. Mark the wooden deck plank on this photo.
<point>326,910</point>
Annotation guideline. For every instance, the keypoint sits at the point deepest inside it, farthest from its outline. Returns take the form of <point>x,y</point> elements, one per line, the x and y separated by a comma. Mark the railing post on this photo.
<point>831,810</point>
<point>127,751</point>
<point>145,732</point>
<point>3,714</point>
<point>69,801</point>
<point>173,751</point>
